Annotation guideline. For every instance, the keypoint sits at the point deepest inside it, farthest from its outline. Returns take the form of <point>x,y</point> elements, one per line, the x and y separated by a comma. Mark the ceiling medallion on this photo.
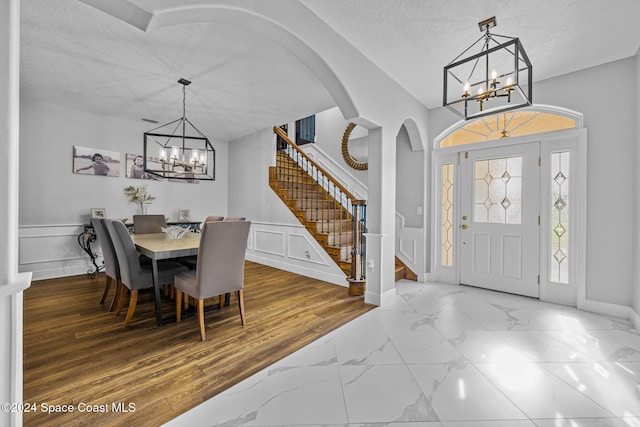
<point>348,158</point>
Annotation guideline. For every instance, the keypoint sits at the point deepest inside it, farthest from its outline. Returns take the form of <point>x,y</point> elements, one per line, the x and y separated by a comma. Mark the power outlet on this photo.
<point>419,210</point>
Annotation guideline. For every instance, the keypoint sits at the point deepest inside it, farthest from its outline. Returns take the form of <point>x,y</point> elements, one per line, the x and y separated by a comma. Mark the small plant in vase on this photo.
<point>139,195</point>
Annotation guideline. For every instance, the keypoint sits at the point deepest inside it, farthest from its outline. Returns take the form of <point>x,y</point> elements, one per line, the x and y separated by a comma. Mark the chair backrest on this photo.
<point>143,224</point>
<point>221,255</point>
<point>235,218</point>
<point>211,218</point>
<point>111,267</point>
<point>126,253</point>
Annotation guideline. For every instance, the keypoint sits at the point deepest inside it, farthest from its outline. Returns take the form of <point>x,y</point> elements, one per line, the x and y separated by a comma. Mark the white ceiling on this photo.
<point>77,56</point>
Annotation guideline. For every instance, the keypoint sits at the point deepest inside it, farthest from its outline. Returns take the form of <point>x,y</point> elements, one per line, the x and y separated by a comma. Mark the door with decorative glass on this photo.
<point>499,218</point>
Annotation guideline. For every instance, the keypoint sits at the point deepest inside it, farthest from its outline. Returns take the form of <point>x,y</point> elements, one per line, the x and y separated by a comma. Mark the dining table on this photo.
<point>158,246</point>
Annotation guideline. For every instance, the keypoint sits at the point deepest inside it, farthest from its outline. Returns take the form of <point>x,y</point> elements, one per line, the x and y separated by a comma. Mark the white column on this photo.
<point>381,216</point>
<point>11,283</point>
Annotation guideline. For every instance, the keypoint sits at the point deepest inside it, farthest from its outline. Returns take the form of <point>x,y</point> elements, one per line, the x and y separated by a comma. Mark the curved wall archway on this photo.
<point>258,20</point>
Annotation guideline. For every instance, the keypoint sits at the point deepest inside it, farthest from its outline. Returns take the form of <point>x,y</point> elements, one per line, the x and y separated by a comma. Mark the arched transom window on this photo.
<point>509,124</point>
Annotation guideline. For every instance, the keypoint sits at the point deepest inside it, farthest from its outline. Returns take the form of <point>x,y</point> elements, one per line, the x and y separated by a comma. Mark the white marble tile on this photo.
<point>613,385</point>
<point>384,393</point>
<point>443,355</point>
<point>538,393</point>
<point>366,348</point>
<point>491,423</point>
<point>540,346</point>
<point>581,422</point>
<point>424,347</point>
<point>302,395</point>
<point>236,406</point>
<point>318,353</point>
<point>484,347</point>
<point>449,318</point>
<point>460,392</point>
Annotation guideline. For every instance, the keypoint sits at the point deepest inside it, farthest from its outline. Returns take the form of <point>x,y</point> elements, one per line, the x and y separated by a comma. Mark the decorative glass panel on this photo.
<point>497,190</point>
<point>447,216</point>
<point>560,227</point>
<point>505,125</point>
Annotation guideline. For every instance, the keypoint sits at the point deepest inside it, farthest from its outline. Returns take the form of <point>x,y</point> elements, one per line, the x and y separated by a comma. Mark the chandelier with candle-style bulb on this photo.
<point>498,78</point>
<point>183,152</point>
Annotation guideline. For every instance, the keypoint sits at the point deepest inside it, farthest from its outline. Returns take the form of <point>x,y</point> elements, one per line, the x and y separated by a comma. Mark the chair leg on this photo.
<point>201,318</point>
<point>107,285</point>
<point>123,298</point>
<point>221,300</point>
<point>133,300</point>
<point>186,301</point>
<point>178,306</point>
<point>116,296</point>
<point>240,295</point>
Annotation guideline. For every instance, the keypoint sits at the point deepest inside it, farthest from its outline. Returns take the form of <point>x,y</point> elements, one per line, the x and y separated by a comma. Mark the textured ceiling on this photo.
<point>77,56</point>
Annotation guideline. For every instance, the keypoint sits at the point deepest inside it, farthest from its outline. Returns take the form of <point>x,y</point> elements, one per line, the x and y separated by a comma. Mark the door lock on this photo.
<point>464,217</point>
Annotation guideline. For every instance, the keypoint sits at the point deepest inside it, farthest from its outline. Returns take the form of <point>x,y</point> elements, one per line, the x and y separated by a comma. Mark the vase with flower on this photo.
<point>139,195</point>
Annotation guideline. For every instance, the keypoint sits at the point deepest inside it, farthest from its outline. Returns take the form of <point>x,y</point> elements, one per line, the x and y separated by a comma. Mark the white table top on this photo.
<point>159,246</point>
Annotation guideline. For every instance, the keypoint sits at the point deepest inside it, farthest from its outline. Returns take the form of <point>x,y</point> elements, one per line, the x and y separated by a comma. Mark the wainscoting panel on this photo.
<point>50,251</point>
<point>292,248</point>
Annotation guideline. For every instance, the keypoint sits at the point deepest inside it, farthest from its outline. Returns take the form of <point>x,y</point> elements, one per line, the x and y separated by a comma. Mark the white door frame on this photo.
<point>573,141</point>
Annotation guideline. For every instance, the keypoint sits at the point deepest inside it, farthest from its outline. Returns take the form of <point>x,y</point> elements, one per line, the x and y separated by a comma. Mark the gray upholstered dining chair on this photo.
<point>111,267</point>
<point>192,261</point>
<point>143,224</point>
<point>133,274</point>
<point>220,268</point>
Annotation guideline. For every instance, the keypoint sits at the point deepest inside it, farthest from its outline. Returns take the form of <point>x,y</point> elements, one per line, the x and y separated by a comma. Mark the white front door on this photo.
<point>499,218</point>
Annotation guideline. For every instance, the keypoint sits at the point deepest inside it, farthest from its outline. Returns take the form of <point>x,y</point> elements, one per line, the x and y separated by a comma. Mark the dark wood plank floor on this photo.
<point>76,352</point>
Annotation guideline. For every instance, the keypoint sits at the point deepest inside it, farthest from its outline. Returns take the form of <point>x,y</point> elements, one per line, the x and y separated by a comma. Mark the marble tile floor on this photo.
<point>447,356</point>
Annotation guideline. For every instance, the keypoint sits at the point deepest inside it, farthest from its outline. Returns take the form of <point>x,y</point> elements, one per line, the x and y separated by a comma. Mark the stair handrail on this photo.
<point>354,200</point>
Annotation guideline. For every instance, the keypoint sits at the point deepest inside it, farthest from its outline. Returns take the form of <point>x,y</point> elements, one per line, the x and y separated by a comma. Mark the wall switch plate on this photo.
<point>419,210</point>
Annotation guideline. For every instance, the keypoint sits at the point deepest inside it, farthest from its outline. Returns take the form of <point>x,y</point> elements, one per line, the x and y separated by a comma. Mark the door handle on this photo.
<point>464,226</point>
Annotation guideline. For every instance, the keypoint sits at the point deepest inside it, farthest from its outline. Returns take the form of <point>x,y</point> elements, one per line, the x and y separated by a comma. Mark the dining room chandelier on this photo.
<point>183,152</point>
<point>495,79</point>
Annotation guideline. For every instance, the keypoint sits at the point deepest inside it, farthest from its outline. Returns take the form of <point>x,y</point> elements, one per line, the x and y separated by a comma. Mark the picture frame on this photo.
<point>183,214</point>
<point>98,213</point>
<point>96,161</point>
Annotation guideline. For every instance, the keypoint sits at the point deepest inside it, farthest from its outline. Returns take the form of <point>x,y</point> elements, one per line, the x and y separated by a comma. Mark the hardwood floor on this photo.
<point>77,353</point>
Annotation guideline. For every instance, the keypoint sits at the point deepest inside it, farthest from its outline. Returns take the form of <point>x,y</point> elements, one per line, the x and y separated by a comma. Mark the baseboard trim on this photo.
<point>315,274</point>
<point>607,309</point>
<point>635,319</point>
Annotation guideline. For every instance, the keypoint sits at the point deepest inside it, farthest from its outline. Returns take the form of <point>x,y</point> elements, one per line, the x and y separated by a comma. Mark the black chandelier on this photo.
<point>496,79</point>
<point>183,151</point>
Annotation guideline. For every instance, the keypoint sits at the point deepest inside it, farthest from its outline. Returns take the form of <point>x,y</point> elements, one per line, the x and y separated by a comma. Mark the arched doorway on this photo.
<point>508,206</point>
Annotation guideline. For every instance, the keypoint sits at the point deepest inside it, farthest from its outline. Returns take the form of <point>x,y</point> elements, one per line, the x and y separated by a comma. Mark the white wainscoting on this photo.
<point>410,247</point>
<point>50,251</point>
<point>292,248</point>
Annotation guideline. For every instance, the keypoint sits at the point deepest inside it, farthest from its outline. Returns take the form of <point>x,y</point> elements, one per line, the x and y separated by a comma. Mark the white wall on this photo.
<point>55,202</point>
<point>409,185</point>
<point>636,220</point>
<point>277,237</point>
<point>609,116</point>
<point>330,126</point>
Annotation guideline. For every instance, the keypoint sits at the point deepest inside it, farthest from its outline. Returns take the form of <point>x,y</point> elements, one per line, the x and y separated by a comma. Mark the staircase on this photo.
<point>404,272</point>
<point>335,218</point>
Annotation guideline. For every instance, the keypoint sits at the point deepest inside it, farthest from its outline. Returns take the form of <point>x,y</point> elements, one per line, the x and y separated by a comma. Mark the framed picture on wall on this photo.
<point>98,213</point>
<point>135,167</point>
<point>94,161</point>
<point>183,214</point>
